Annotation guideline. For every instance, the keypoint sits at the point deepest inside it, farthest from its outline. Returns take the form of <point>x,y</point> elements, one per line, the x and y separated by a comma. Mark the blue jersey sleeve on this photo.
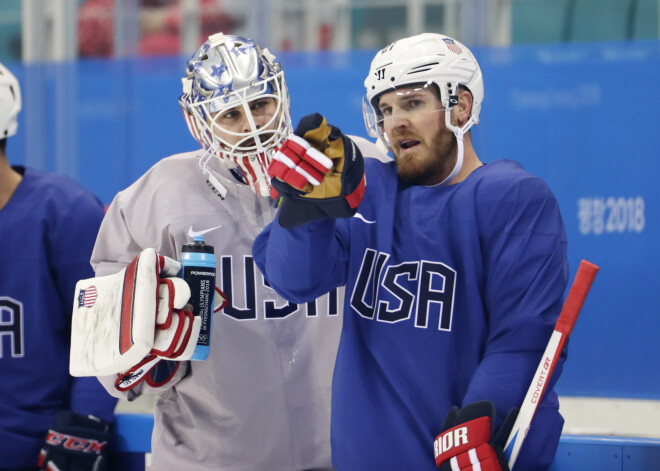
<point>73,234</point>
<point>89,397</point>
<point>527,271</point>
<point>302,263</point>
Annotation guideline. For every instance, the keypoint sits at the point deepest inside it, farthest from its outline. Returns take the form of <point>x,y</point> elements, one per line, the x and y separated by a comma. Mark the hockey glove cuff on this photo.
<point>468,443</point>
<point>318,172</point>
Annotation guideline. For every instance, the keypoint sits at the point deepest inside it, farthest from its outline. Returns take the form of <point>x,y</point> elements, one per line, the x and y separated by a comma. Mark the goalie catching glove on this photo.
<point>467,442</point>
<point>318,172</point>
<point>127,322</point>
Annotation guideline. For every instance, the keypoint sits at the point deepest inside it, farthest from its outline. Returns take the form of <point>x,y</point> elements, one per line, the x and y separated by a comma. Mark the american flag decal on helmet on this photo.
<point>452,45</point>
<point>87,297</point>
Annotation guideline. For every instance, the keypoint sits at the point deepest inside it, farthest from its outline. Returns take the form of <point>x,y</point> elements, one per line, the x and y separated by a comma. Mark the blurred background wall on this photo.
<point>572,91</point>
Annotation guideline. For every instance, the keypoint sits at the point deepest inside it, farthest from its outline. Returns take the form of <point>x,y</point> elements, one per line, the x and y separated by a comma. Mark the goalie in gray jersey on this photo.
<point>262,398</point>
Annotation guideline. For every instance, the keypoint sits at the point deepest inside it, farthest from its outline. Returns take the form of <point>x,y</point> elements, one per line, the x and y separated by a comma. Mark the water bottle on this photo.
<point>198,270</point>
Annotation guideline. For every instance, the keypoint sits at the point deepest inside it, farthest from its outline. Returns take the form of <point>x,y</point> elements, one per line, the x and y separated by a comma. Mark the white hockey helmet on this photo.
<point>425,59</point>
<point>10,103</point>
<point>224,73</point>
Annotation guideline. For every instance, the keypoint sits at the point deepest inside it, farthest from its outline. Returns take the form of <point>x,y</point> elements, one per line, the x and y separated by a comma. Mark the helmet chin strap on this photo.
<point>459,133</point>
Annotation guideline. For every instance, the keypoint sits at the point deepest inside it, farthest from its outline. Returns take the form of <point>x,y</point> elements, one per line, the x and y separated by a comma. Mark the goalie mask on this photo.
<point>424,60</point>
<point>10,103</point>
<point>236,105</point>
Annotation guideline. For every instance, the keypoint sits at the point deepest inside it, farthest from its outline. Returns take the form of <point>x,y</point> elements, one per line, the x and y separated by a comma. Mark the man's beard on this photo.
<point>431,162</point>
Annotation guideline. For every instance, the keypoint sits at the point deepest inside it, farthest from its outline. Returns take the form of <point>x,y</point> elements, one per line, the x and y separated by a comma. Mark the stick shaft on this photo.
<point>567,318</point>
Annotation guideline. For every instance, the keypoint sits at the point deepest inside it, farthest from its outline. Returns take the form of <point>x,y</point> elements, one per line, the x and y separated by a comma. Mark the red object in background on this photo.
<point>285,44</point>
<point>96,26</point>
<point>325,36</point>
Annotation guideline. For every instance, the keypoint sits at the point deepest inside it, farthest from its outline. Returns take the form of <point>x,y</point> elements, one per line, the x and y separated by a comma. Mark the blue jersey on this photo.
<point>452,294</point>
<point>47,231</point>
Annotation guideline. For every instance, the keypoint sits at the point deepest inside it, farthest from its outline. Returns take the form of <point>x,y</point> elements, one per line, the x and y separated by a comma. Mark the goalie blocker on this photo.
<point>126,323</point>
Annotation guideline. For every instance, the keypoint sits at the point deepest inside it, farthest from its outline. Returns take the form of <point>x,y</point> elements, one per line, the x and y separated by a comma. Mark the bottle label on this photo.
<point>202,290</point>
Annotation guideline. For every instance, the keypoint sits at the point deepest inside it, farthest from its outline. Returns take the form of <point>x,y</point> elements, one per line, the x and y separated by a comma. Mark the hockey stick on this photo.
<point>569,314</point>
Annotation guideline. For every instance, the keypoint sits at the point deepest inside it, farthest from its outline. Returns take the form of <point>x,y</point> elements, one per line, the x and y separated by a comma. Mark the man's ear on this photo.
<point>464,108</point>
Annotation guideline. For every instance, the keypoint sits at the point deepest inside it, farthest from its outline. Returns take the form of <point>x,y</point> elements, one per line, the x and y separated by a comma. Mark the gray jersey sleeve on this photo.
<point>130,225</point>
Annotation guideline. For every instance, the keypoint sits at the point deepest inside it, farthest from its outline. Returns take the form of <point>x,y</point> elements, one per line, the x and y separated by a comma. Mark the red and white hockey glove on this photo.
<point>318,172</point>
<point>75,443</point>
<point>155,369</point>
<point>468,443</point>
<point>125,323</point>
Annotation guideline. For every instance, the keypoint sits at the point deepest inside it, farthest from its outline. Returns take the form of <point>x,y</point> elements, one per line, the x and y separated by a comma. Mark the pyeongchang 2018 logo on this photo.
<point>611,215</point>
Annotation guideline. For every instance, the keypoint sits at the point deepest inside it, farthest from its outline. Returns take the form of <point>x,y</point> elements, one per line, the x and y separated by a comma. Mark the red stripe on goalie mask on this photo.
<point>191,126</point>
<point>248,172</point>
<point>128,295</point>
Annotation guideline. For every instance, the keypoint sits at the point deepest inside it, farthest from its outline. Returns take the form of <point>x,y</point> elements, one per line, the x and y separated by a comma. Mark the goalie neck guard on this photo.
<point>236,105</point>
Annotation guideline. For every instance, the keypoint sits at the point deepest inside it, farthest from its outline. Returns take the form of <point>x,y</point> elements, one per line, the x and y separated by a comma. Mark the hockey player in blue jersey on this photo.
<point>454,270</point>
<point>48,225</point>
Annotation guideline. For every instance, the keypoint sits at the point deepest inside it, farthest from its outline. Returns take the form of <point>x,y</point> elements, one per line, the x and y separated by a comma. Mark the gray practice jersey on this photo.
<point>262,398</point>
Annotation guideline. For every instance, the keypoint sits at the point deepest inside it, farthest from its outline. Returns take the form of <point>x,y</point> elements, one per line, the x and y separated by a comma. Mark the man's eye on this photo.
<point>386,111</point>
<point>262,104</point>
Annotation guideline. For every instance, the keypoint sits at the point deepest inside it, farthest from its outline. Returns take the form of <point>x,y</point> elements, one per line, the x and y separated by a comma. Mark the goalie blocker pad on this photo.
<point>120,319</point>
